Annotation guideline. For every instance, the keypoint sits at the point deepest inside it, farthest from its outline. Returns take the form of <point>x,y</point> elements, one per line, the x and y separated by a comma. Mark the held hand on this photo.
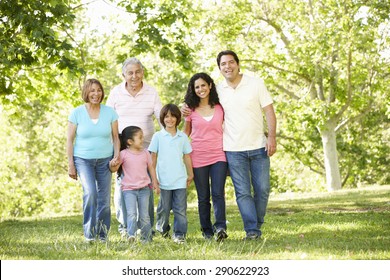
<point>115,161</point>
<point>185,110</point>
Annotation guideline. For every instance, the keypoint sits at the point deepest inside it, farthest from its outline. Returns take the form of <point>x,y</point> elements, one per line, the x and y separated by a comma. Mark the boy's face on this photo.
<point>170,120</point>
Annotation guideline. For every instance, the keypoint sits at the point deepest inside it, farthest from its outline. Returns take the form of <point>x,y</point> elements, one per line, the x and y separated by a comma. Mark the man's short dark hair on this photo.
<point>227,52</point>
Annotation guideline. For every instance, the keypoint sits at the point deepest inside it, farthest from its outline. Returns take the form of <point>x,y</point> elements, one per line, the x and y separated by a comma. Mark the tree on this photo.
<point>33,36</point>
<point>324,58</point>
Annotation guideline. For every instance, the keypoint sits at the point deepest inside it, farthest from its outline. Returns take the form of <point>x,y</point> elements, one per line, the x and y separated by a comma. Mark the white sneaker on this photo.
<point>178,239</point>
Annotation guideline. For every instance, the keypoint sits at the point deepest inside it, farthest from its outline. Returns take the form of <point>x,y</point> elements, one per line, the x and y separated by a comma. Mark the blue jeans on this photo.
<point>120,206</point>
<point>246,168</point>
<point>140,198</point>
<point>175,200</point>
<point>202,175</point>
<point>95,177</point>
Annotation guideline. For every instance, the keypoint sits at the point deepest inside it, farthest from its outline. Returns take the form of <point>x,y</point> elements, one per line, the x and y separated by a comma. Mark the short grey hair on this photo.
<point>131,60</point>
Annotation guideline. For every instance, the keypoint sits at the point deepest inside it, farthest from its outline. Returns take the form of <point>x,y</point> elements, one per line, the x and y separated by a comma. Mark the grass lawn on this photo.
<point>346,225</point>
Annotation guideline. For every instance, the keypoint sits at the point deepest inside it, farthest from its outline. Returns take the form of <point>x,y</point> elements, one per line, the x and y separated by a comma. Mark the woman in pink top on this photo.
<point>204,126</point>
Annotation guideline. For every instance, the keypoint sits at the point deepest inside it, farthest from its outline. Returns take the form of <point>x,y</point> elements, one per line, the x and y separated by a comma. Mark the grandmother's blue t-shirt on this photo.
<point>93,141</point>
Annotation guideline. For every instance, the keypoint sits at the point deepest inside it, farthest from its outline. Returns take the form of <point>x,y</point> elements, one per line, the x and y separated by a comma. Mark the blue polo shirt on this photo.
<point>171,170</point>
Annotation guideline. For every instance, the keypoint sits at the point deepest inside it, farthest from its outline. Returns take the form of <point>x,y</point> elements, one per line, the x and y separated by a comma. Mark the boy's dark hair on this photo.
<point>192,100</point>
<point>227,52</point>
<point>174,110</point>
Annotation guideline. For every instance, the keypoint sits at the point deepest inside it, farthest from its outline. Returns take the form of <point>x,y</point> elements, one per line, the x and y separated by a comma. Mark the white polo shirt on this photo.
<point>136,110</point>
<point>243,127</point>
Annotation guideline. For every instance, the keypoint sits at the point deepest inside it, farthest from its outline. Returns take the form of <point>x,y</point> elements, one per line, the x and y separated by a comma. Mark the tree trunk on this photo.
<point>332,171</point>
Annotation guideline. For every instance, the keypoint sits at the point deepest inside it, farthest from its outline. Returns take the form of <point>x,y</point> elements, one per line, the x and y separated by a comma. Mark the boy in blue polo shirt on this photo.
<point>171,150</point>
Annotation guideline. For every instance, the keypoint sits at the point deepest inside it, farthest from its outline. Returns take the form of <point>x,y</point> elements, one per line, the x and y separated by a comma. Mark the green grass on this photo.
<point>352,224</point>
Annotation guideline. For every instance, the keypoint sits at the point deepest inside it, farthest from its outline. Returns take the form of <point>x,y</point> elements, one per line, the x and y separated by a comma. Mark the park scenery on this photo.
<point>324,62</point>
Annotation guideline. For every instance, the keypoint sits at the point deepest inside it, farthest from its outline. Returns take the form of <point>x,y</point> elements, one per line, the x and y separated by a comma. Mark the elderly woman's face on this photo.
<point>95,94</point>
<point>133,75</point>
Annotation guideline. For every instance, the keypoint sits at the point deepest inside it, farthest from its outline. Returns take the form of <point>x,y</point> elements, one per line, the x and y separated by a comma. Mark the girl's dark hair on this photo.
<point>174,110</point>
<point>127,133</point>
<point>192,100</point>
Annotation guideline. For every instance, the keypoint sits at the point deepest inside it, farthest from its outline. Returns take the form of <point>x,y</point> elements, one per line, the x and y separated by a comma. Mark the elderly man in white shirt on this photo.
<point>136,103</point>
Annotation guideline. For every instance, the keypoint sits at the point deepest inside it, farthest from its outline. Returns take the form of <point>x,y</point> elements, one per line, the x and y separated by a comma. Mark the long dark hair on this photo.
<point>127,134</point>
<point>192,100</point>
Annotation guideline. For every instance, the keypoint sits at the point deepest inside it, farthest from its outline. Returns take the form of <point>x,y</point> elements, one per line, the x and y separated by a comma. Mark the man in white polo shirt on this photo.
<point>244,100</point>
<point>135,102</point>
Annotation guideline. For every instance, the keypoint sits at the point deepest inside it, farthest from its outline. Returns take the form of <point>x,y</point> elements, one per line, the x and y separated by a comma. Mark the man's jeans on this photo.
<point>120,207</point>
<point>95,177</point>
<point>137,203</point>
<point>246,168</point>
<point>175,200</point>
<point>202,175</point>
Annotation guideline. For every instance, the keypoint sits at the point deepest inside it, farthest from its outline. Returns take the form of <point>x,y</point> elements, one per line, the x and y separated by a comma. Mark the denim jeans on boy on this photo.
<point>216,174</point>
<point>137,206</point>
<point>246,168</point>
<point>120,207</point>
<point>95,177</point>
<point>175,200</point>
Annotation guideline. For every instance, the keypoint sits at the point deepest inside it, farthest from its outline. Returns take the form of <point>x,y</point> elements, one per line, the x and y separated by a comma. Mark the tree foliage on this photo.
<point>324,61</point>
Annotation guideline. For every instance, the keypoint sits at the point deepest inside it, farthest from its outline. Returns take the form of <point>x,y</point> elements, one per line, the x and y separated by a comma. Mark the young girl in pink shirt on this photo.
<point>136,162</point>
<point>204,126</point>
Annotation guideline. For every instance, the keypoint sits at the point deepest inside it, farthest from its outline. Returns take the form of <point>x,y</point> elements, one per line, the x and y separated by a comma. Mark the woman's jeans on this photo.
<point>175,200</point>
<point>95,177</point>
<point>246,168</point>
<point>216,174</point>
<point>137,205</point>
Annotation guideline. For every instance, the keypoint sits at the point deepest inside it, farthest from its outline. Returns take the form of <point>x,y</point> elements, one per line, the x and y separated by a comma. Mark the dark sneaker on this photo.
<point>251,236</point>
<point>221,235</point>
<point>207,236</point>
<point>102,239</point>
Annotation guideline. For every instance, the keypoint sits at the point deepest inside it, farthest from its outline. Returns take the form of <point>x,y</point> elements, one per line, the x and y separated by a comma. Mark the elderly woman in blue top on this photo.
<point>92,142</point>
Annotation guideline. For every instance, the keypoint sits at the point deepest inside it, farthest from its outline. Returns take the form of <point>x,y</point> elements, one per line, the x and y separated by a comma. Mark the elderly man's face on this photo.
<point>133,75</point>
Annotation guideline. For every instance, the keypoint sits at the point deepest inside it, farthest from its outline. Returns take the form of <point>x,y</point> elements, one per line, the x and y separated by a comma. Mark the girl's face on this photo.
<point>170,120</point>
<point>137,141</point>
<point>95,94</point>
<point>202,88</point>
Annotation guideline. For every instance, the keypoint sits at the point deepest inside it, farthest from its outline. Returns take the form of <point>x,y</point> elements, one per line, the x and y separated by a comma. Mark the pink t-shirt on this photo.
<point>206,138</point>
<point>135,169</point>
